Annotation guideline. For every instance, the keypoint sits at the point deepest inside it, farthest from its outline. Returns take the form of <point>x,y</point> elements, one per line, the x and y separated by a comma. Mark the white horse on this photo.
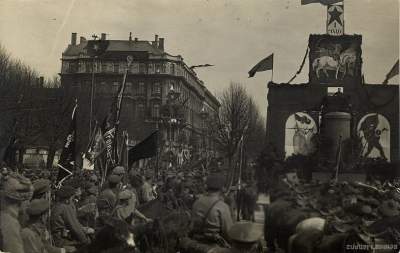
<point>325,63</point>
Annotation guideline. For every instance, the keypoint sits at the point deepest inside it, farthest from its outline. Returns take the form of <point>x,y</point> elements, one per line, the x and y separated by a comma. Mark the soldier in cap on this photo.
<point>126,210</point>
<point>41,188</point>
<point>146,190</point>
<point>35,235</point>
<point>107,199</point>
<point>211,216</point>
<point>65,226</point>
<point>15,189</point>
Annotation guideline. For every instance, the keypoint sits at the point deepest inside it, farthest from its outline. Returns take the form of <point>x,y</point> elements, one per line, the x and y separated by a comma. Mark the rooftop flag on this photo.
<point>263,65</point>
<point>324,2</point>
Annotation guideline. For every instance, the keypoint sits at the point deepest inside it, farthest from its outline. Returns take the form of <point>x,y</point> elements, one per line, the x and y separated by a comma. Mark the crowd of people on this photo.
<point>38,217</point>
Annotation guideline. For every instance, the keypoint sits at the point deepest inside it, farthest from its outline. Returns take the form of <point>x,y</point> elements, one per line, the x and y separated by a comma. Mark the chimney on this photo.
<point>155,42</point>
<point>103,36</point>
<point>82,40</point>
<point>73,39</point>
<point>161,44</point>
<point>130,36</point>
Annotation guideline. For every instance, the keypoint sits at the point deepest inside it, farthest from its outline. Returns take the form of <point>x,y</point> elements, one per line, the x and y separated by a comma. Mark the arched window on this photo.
<point>374,134</point>
<point>156,111</point>
<point>299,133</point>
<point>140,111</point>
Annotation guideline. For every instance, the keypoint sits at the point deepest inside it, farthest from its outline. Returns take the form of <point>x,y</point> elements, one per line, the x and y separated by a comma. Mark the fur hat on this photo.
<point>17,187</point>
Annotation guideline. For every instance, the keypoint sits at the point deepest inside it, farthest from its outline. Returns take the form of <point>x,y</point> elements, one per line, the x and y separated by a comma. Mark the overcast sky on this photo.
<point>231,34</point>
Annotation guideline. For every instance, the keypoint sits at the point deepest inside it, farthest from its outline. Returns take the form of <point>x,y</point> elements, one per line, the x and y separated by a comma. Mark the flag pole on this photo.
<point>129,60</point>
<point>126,150</point>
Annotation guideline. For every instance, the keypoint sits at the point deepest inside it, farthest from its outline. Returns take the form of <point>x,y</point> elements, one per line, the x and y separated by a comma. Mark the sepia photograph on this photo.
<point>199,126</point>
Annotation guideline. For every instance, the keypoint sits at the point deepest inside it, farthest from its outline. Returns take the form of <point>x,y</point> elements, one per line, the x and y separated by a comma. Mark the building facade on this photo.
<point>336,106</point>
<point>161,92</point>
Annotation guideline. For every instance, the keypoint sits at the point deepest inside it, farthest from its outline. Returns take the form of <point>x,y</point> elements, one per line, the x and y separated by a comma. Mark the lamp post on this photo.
<point>204,116</point>
<point>171,118</point>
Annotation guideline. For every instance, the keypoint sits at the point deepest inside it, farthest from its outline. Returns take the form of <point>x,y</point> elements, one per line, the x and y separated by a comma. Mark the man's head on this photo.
<point>215,182</point>
<point>65,193</point>
<point>114,180</point>
<point>119,171</point>
<point>38,209</point>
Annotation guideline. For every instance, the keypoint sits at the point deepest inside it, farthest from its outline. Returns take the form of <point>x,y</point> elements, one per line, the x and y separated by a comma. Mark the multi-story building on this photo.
<point>162,92</point>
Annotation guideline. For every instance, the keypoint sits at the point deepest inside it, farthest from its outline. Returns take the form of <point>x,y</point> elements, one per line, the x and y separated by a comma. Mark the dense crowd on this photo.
<point>37,216</point>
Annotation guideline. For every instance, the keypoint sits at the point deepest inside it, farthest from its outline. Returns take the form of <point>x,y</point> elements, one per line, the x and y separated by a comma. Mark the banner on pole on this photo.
<point>335,20</point>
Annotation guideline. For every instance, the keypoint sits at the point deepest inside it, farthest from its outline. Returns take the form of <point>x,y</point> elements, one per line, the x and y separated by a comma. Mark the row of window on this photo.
<point>137,88</point>
<point>120,67</point>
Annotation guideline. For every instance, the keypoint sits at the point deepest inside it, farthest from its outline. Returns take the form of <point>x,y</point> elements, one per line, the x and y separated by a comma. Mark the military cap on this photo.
<point>119,170</point>
<point>115,179</point>
<point>17,187</point>
<point>41,186</point>
<point>246,232</point>
<point>65,192</point>
<point>38,206</point>
<point>125,194</point>
<point>215,181</point>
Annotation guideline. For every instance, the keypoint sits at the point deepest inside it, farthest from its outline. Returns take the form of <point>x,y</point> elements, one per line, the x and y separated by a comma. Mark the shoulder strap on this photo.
<point>209,211</point>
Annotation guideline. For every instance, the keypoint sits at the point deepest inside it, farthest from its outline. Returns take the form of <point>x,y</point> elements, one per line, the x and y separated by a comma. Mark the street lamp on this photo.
<point>204,115</point>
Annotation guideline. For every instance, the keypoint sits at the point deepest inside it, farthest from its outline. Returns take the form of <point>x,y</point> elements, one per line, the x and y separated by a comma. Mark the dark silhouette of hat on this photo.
<point>215,181</point>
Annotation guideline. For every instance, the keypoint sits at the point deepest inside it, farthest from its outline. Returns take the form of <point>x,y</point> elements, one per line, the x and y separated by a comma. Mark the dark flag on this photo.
<point>263,65</point>
<point>110,125</point>
<point>393,72</point>
<point>67,157</point>
<point>145,149</point>
<point>323,2</point>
